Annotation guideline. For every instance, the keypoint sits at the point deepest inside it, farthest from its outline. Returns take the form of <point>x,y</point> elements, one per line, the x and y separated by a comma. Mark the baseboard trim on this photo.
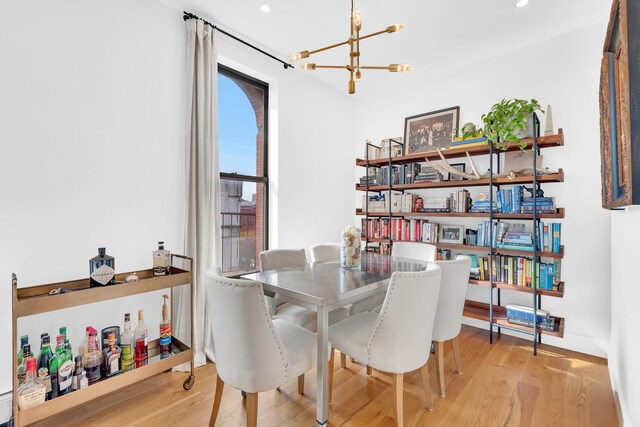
<point>6,407</point>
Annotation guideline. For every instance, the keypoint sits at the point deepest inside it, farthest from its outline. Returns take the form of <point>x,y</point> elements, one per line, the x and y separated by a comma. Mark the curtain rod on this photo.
<point>188,15</point>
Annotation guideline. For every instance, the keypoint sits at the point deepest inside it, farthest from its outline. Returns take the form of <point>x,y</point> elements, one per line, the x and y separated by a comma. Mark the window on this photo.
<point>242,129</point>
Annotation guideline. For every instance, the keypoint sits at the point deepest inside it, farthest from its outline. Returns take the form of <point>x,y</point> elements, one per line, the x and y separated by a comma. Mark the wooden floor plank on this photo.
<point>502,385</point>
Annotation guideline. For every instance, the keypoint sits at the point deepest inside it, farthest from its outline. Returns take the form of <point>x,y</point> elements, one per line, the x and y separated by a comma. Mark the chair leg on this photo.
<point>331,362</point>
<point>369,370</point>
<point>398,385</point>
<point>440,367</point>
<point>252,409</point>
<point>343,360</point>
<point>217,397</point>
<point>301,384</point>
<point>427,386</point>
<point>456,354</point>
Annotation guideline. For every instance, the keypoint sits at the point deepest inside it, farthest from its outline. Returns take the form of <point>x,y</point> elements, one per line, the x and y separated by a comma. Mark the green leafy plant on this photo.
<point>506,119</point>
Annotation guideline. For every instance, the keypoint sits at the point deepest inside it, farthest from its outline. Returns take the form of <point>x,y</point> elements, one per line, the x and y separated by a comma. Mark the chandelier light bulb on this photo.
<point>299,55</point>
<point>521,3</point>
<point>358,76</point>
<point>357,19</point>
<point>397,27</point>
<point>400,68</point>
<point>308,66</point>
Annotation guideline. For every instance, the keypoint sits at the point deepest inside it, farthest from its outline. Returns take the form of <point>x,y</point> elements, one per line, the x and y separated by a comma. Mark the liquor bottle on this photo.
<point>22,367</point>
<point>104,333</point>
<point>23,340</point>
<point>141,334</point>
<point>44,359</point>
<point>65,367</point>
<point>127,343</point>
<point>111,358</point>
<point>53,374</point>
<point>79,376</point>
<point>84,344</point>
<point>102,269</point>
<point>32,392</point>
<point>165,331</point>
<point>94,359</point>
<point>161,261</point>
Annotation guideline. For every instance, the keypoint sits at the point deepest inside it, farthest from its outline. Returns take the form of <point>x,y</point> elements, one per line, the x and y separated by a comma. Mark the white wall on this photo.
<point>91,127</point>
<point>563,72</point>
<point>625,347</point>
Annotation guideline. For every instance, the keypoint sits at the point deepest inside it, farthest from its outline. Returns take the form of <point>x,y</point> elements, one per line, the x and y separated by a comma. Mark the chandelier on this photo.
<point>354,66</point>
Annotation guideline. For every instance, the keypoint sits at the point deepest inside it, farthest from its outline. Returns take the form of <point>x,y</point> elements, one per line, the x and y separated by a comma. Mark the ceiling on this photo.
<point>438,34</point>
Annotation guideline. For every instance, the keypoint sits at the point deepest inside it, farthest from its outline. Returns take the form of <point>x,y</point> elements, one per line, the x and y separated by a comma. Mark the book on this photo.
<point>555,241</point>
<point>459,141</point>
<point>544,326</point>
<point>526,313</point>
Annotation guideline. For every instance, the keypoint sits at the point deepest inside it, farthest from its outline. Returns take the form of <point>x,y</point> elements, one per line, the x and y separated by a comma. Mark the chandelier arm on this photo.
<point>374,67</point>
<point>343,67</point>
<point>377,33</point>
<point>311,52</point>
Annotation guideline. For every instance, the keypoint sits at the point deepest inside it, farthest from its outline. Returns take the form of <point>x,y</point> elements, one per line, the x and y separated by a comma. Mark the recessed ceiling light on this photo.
<point>266,7</point>
<point>521,3</point>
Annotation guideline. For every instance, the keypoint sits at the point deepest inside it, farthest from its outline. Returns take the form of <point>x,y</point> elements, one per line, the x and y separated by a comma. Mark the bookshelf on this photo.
<point>494,314</point>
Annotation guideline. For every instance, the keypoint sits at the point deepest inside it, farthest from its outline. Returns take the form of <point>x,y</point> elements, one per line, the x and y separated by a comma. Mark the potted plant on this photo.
<point>509,121</point>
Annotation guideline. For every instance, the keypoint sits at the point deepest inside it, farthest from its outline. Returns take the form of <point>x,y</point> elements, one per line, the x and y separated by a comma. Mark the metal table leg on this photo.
<point>322,403</point>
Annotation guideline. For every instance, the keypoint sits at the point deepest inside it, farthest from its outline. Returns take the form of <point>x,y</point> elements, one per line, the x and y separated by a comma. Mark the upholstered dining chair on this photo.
<point>412,250</point>
<point>325,252</point>
<point>398,339</point>
<point>453,291</point>
<point>252,352</point>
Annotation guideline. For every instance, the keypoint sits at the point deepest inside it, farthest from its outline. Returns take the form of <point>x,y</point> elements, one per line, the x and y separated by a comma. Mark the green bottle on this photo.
<point>53,368</point>
<point>23,340</point>
<point>44,360</point>
<point>64,364</point>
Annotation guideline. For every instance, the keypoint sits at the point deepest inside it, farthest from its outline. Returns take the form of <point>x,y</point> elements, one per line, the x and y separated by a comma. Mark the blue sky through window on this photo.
<point>237,132</point>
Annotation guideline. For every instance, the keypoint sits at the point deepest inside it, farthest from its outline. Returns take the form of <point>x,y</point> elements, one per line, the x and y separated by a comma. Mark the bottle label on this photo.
<point>114,364</point>
<point>103,274</point>
<point>76,381</point>
<point>31,399</point>
<point>65,375</point>
<point>43,374</point>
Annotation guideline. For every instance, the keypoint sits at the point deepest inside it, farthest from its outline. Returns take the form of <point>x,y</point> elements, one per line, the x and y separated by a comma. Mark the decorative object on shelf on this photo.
<point>548,124</point>
<point>350,247</point>
<point>354,68</point>
<point>431,131</point>
<point>133,277</point>
<point>619,97</point>
<point>419,204</point>
<point>509,121</point>
<point>453,177</point>
<point>468,131</point>
<point>451,234</point>
<point>57,291</point>
<point>102,269</point>
<point>521,162</point>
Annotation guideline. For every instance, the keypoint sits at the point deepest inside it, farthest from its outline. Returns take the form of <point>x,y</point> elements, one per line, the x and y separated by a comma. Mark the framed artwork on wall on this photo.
<point>430,131</point>
<point>619,96</point>
<point>451,234</point>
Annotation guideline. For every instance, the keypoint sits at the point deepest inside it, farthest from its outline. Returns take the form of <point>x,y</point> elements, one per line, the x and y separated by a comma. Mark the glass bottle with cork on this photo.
<point>111,358</point>
<point>93,358</point>
<point>32,392</point>
<point>165,331</point>
<point>64,365</point>
<point>141,335</point>
<point>127,345</point>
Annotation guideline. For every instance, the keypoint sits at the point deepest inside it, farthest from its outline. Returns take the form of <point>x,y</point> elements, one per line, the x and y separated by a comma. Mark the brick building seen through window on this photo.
<point>242,129</point>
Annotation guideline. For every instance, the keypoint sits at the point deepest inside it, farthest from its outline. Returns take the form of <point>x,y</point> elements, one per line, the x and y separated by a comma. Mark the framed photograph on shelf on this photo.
<point>430,131</point>
<point>451,234</point>
<point>459,166</point>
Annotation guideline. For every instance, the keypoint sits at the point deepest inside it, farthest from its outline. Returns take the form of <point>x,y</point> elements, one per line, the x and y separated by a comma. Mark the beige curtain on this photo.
<point>202,201</point>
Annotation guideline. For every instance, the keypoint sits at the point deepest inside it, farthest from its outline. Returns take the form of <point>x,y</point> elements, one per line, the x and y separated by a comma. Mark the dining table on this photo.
<point>325,286</point>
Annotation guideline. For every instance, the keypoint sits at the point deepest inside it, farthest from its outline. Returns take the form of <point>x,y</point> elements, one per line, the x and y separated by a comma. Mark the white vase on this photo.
<point>350,240</point>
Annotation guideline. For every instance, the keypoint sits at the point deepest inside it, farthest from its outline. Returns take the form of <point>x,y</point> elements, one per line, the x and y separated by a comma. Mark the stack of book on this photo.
<point>483,204</point>
<point>436,204</point>
<point>458,142</point>
<point>524,316</point>
<point>460,201</point>
<point>400,229</point>
<point>543,205</point>
<point>428,175</point>
<point>513,237</point>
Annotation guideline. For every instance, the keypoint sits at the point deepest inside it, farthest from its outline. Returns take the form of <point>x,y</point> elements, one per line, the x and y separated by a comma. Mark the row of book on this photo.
<point>524,316</point>
<point>515,271</point>
<point>514,237</point>
<point>399,202</point>
<point>409,173</point>
<point>513,201</point>
<point>409,230</point>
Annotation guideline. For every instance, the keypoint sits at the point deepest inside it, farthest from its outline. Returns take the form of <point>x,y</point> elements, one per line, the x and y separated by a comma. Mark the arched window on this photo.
<point>242,132</point>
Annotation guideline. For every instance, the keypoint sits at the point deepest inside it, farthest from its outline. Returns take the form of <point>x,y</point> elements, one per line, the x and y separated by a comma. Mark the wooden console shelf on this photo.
<point>480,311</point>
<point>558,214</point>
<point>556,140</point>
<point>28,301</point>
<point>548,178</point>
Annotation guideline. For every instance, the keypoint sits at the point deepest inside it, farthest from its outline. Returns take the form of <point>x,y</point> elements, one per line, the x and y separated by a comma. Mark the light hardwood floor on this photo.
<point>502,385</point>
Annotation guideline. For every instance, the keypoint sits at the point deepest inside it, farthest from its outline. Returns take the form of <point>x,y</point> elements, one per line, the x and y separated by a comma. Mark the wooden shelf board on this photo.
<point>36,299</point>
<point>182,354</point>
<point>557,293</point>
<point>480,311</point>
<point>559,214</point>
<point>556,140</point>
<point>552,177</point>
